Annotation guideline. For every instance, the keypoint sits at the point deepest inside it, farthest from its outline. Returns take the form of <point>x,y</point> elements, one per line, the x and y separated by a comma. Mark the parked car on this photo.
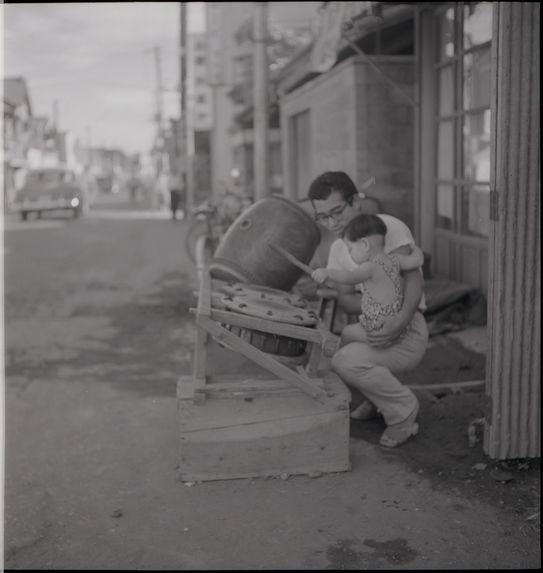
<point>51,189</point>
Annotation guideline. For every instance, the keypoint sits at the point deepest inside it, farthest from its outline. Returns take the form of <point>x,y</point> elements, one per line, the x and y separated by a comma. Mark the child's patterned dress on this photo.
<point>374,313</point>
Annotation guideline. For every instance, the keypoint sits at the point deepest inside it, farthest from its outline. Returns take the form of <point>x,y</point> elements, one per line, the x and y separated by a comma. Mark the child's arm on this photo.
<point>359,275</point>
<point>412,261</point>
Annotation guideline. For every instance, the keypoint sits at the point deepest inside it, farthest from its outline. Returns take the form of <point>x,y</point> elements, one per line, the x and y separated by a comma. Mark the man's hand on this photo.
<point>395,325</point>
<point>391,330</point>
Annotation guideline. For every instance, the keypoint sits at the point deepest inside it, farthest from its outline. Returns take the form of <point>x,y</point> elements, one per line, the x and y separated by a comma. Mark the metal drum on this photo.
<point>245,253</point>
<point>270,304</point>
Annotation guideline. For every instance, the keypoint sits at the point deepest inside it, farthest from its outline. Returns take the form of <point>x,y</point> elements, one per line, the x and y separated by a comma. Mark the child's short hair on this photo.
<point>364,226</point>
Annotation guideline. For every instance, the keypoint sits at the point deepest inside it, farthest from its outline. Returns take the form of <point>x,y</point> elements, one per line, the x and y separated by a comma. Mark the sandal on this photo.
<point>365,411</point>
<point>398,434</point>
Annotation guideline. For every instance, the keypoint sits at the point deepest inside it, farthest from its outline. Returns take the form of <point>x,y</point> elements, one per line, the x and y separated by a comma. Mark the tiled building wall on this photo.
<point>330,100</point>
<point>360,124</point>
<point>386,132</point>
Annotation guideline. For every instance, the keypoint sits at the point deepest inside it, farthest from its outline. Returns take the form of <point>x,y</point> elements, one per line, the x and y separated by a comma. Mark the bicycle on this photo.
<point>210,223</point>
<point>204,233</point>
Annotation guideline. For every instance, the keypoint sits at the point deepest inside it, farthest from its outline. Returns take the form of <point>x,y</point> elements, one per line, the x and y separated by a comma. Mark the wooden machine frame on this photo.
<point>236,425</point>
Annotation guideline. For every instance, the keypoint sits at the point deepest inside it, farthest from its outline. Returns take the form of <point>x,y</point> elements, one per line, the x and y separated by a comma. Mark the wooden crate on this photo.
<point>247,413</point>
<point>241,427</point>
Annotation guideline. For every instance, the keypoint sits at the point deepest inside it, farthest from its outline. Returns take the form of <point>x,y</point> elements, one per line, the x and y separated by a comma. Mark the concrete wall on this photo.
<point>359,124</point>
<point>386,133</point>
<point>331,101</point>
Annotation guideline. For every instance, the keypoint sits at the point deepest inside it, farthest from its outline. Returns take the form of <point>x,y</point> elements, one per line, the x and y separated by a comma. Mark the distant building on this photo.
<point>230,74</point>
<point>198,90</point>
<point>291,27</point>
<point>17,134</point>
<point>200,113</point>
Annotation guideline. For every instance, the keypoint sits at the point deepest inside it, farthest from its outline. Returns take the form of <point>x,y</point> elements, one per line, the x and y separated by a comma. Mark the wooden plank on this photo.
<point>318,443</point>
<point>251,383</point>
<point>315,355</point>
<point>447,385</point>
<point>200,356</point>
<point>204,300</point>
<point>216,300</point>
<point>185,388</point>
<point>281,328</point>
<point>272,434</point>
<point>270,403</point>
<point>227,379</point>
<point>246,393</point>
<point>329,340</point>
<point>264,360</point>
<point>202,337</point>
<point>228,387</point>
<point>236,343</point>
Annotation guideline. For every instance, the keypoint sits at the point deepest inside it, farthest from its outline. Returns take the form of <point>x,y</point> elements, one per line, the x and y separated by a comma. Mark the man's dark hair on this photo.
<point>364,226</point>
<point>325,184</point>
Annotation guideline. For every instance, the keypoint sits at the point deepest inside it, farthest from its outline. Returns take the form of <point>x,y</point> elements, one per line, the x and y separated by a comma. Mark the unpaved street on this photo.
<point>97,333</point>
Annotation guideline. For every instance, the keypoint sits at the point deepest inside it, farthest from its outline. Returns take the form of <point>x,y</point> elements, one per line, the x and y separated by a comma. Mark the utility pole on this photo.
<point>260,88</point>
<point>186,176</point>
<point>89,145</point>
<point>159,139</point>
<point>158,68</point>
<point>160,190</point>
<point>55,115</point>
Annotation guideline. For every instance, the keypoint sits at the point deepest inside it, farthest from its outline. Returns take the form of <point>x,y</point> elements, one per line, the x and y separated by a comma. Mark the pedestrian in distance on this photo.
<point>175,200</point>
<point>176,186</point>
<point>133,187</point>
<point>400,342</point>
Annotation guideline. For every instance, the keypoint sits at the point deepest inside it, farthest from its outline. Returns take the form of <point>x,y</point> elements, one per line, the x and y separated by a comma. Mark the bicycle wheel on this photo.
<point>204,251</point>
<point>196,229</point>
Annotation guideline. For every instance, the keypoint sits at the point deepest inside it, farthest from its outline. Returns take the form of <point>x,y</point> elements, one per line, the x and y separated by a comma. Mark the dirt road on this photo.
<point>97,333</point>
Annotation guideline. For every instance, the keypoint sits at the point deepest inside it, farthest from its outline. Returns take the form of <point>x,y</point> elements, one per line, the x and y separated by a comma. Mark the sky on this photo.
<point>96,61</point>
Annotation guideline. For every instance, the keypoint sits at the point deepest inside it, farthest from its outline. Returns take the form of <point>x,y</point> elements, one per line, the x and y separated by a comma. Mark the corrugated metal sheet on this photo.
<point>514,360</point>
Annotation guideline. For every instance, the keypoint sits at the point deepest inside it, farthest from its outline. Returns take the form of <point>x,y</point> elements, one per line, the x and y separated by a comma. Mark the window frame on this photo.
<point>461,185</point>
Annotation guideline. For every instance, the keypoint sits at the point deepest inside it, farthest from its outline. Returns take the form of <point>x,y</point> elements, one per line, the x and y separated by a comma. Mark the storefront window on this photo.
<point>445,34</point>
<point>477,23</point>
<point>446,91</point>
<point>477,147</point>
<point>445,206</point>
<point>464,88</point>
<point>477,79</point>
<point>445,156</point>
<point>475,206</point>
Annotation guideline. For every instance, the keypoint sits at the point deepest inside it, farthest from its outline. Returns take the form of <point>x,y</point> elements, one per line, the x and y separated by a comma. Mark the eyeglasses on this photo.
<point>334,214</point>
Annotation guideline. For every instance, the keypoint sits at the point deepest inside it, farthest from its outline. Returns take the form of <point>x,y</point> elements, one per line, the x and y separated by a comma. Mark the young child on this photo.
<point>378,275</point>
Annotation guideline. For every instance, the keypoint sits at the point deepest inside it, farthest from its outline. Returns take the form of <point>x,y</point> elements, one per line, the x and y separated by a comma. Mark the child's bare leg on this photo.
<point>353,333</point>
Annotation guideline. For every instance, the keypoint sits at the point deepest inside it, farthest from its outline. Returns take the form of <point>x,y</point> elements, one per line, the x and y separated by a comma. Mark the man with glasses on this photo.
<point>370,367</point>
